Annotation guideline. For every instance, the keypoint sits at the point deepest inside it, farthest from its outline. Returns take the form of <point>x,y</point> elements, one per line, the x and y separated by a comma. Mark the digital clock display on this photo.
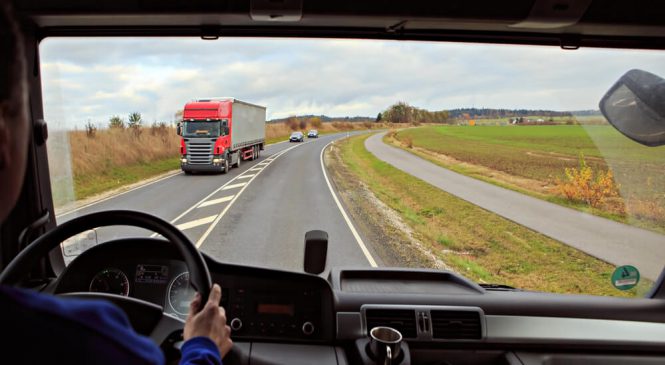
<point>285,309</point>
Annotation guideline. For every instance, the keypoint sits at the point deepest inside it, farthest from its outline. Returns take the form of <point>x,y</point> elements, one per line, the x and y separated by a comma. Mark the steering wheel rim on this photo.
<point>199,275</point>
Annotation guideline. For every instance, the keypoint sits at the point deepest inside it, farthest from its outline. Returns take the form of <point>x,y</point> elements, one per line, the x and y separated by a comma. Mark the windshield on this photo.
<point>493,161</point>
<point>201,129</point>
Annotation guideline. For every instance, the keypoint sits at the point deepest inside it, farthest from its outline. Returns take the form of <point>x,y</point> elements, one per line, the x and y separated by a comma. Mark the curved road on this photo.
<point>613,242</point>
<point>256,214</point>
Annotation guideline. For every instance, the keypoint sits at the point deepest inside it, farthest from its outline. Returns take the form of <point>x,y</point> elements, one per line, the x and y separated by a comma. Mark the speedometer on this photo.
<point>112,281</point>
<point>180,294</point>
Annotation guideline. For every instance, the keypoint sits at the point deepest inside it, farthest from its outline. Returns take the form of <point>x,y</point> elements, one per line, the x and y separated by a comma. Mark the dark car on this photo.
<point>313,134</point>
<point>297,137</point>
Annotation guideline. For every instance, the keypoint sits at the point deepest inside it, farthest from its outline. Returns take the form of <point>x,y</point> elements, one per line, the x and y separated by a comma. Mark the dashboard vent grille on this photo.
<point>456,325</point>
<point>403,320</point>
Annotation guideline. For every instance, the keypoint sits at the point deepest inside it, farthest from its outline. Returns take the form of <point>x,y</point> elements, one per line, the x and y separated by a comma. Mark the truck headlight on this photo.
<point>215,160</point>
<point>184,160</point>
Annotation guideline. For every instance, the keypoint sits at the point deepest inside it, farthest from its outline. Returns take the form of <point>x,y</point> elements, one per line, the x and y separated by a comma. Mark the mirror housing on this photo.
<point>635,106</point>
<point>178,129</point>
<point>316,251</point>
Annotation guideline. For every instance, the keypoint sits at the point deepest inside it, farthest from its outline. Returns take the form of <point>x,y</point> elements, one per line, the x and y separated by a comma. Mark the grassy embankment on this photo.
<point>479,244</point>
<point>531,159</point>
<point>112,158</point>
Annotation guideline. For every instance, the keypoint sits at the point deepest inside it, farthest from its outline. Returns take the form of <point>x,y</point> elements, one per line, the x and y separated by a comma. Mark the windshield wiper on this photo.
<point>499,287</point>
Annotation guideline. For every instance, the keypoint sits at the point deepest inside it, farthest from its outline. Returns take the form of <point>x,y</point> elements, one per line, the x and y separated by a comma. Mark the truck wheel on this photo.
<point>256,152</point>
<point>226,166</point>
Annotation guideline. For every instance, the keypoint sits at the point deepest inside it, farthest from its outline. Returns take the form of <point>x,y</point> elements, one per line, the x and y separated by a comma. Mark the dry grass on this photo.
<point>121,147</point>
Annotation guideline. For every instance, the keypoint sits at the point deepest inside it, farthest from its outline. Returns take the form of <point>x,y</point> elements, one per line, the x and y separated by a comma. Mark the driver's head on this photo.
<point>14,121</point>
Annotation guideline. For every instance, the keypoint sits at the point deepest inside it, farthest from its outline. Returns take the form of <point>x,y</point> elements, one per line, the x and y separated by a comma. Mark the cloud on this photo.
<point>93,79</point>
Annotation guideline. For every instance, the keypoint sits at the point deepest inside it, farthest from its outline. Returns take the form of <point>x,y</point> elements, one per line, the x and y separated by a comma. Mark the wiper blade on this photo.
<point>499,287</point>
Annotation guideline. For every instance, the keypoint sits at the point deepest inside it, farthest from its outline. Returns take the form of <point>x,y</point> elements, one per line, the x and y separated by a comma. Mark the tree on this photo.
<point>116,122</point>
<point>315,122</point>
<point>134,120</point>
<point>378,117</point>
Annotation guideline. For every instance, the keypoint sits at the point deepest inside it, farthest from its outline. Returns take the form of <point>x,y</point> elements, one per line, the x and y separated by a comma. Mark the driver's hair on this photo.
<point>12,58</point>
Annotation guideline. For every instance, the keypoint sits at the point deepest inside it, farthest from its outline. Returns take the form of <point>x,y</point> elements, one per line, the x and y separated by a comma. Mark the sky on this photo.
<point>91,79</point>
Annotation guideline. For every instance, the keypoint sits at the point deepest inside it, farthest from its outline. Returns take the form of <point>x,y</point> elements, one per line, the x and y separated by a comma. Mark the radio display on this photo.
<point>275,309</point>
<point>152,274</point>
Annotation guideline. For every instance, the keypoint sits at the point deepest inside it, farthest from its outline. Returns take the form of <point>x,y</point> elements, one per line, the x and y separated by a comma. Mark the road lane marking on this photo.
<point>205,235</point>
<point>245,176</point>
<point>363,248</point>
<point>256,169</point>
<point>196,223</point>
<point>263,163</point>
<point>216,201</point>
<point>234,186</point>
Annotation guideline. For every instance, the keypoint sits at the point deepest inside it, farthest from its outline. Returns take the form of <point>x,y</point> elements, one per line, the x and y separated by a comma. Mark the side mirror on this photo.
<point>635,106</point>
<point>178,129</point>
<point>316,251</point>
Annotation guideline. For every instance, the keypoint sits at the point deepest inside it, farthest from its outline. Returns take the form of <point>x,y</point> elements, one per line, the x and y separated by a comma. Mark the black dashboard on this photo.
<point>288,317</point>
<point>258,304</point>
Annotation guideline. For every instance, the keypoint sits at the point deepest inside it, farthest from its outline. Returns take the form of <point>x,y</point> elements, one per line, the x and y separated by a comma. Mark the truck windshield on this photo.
<point>201,129</point>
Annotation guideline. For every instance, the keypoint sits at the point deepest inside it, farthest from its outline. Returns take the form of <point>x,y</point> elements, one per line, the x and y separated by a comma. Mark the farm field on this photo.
<point>533,159</point>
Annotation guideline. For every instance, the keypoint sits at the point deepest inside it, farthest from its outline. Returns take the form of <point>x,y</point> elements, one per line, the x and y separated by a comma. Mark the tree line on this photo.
<point>402,112</point>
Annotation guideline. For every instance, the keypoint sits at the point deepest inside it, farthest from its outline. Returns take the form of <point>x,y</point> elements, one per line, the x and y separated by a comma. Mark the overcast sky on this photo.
<point>93,79</point>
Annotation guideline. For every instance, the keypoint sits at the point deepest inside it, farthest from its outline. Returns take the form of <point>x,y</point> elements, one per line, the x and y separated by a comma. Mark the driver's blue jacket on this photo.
<point>39,328</point>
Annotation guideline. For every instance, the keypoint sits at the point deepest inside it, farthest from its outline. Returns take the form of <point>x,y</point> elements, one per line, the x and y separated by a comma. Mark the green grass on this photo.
<point>89,185</point>
<point>480,245</point>
<point>542,153</point>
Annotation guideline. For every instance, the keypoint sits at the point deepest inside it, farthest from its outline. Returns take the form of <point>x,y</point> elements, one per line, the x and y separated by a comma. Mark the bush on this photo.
<point>90,130</point>
<point>116,122</point>
<point>584,185</point>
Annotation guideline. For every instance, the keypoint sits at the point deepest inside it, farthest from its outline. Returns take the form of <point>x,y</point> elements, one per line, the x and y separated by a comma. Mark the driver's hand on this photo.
<point>210,321</point>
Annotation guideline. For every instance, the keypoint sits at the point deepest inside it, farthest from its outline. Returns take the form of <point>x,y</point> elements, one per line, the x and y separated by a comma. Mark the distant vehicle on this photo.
<point>218,133</point>
<point>297,137</point>
<point>313,134</point>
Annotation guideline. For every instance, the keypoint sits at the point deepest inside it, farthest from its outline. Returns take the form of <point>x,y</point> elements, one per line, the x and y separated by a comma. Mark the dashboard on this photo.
<point>281,317</point>
<point>258,305</point>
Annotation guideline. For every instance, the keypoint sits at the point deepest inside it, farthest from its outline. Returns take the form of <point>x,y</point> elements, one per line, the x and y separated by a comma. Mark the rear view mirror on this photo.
<point>635,106</point>
<point>178,129</point>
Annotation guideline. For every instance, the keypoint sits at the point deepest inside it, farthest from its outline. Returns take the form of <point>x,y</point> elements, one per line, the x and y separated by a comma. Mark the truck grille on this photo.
<point>199,152</point>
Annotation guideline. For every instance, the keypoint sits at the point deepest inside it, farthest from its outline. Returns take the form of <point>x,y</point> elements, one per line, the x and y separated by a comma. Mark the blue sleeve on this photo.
<point>99,329</point>
<point>200,351</point>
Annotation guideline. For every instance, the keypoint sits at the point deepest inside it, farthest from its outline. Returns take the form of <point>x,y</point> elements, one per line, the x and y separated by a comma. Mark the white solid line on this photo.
<point>363,248</point>
<point>245,176</point>
<point>228,206</point>
<point>196,223</point>
<point>216,201</point>
<point>116,195</point>
<point>239,185</point>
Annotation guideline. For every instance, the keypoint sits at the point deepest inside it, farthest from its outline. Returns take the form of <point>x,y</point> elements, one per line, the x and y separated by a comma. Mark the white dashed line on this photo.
<point>234,186</point>
<point>245,176</point>
<point>196,223</point>
<point>226,209</point>
<point>216,201</point>
<point>363,248</point>
<point>256,169</point>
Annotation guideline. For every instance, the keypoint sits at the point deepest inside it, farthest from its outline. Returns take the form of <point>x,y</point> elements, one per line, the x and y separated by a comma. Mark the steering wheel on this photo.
<point>162,325</point>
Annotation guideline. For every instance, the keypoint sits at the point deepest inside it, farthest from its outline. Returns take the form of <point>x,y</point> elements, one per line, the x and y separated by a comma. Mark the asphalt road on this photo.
<point>613,242</point>
<point>255,215</point>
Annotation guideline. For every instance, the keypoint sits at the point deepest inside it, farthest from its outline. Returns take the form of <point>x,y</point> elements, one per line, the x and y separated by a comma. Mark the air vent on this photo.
<point>456,325</point>
<point>403,320</point>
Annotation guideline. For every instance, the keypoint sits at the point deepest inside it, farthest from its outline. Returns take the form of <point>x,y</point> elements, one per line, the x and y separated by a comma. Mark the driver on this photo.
<point>40,328</point>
